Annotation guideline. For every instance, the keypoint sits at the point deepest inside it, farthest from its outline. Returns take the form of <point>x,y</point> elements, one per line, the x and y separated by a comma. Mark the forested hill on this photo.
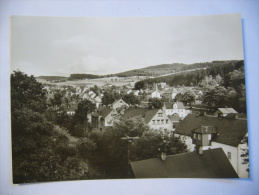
<point>153,70</point>
<point>162,69</point>
<point>195,77</point>
<point>83,76</point>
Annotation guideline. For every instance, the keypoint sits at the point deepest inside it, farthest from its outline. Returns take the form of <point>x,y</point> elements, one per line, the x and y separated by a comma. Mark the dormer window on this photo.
<point>199,136</point>
<point>194,135</point>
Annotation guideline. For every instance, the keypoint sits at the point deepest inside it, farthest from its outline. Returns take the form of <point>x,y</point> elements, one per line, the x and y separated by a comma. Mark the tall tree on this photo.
<point>155,103</point>
<point>39,152</point>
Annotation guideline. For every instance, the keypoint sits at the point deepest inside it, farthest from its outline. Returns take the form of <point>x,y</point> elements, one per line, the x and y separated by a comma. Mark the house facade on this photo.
<point>228,134</point>
<point>154,118</point>
<point>175,108</point>
<point>103,117</point>
<point>119,103</point>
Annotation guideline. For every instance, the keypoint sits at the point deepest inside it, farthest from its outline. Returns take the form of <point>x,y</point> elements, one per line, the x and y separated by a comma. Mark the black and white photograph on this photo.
<point>97,98</point>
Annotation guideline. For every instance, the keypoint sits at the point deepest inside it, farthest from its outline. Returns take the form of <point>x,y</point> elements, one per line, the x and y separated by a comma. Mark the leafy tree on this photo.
<point>85,147</point>
<point>151,144</point>
<point>27,92</point>
<point>155,103</point>
<point>131,99</point>
<point>188,97</point>
<point>241,91</point>
<point>109,97</point>
<point>79,123</point>
<point>83,109</point>
<point>112,149</point>
<point>39,152</point>
<point>56,101</point>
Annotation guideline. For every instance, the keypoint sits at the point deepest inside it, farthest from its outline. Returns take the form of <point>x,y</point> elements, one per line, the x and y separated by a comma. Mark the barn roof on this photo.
<point>227,110</point>
<point>211,164</point>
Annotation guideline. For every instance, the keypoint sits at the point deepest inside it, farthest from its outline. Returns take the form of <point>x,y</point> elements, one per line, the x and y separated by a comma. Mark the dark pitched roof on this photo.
<point>169,105</point>
<point>147,114</point>
<point>175,117</point>
<point>229,131</point>
<point>205,130</point>
<point>102,111</point>
<point>211,164</point>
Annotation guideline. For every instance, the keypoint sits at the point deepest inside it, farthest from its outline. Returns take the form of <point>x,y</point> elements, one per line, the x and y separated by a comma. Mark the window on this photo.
<point>199,136</point>
<point>194,135</point>
<point>154,122</point>
<point>158,122</point>
<point>229,155</point>
<point>162,122</point>
<point>166,121</point>
<point>160,114</point>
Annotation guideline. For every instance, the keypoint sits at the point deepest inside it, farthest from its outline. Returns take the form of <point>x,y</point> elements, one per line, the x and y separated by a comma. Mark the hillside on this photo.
<point>162,69</point>
<point>52,78</point>
<point>193,74</point>
<point>155,70</point>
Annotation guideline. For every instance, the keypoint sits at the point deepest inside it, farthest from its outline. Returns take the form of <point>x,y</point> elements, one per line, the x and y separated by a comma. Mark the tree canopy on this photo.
<point>39,151</point>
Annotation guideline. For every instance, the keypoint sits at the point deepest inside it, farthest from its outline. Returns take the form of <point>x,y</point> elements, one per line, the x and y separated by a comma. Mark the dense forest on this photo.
<point>83,76</point>
<point>194,78</point>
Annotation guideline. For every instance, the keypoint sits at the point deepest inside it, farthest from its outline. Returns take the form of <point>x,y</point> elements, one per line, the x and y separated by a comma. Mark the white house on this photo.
<point>119,103</point>
<point>156,119</point>
<point>176,108</point>
<point>226,133</point>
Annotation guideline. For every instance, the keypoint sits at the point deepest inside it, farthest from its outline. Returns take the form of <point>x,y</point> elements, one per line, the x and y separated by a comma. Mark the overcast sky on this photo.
<point>61,46</point>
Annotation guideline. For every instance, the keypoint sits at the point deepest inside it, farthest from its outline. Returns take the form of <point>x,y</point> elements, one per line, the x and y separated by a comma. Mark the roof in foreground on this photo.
<point>229,131</point>
<point>211,164</point>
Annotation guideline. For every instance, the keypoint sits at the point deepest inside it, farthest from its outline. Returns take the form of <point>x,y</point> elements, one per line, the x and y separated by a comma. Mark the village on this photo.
<point>173,111</point>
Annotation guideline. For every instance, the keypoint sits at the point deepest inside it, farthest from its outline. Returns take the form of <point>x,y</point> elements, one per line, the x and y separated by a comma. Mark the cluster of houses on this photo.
<point>206,136</point>
<point>157,119</point>
<point>216,144</point>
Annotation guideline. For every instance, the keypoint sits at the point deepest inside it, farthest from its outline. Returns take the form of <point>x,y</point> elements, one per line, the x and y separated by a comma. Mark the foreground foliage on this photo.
<point>39,152</point>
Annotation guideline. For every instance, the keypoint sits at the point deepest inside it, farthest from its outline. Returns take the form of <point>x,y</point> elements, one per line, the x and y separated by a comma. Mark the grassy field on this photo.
<point>117,81</point>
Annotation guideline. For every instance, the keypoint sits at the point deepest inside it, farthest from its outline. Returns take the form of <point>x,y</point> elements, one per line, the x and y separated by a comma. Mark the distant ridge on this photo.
<point>155,70</point>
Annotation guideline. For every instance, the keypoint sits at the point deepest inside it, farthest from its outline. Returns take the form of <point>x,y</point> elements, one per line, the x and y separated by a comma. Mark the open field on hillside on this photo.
<point>117,81</point>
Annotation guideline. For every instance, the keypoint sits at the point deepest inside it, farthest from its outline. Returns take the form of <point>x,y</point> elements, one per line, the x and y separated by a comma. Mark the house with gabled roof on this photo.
<point>103,117</point>
<point>225,111</point>
<point>217,132</point>
<point>210,164</point>
<point>154,118</point>
<point>175,108</point>
<point>119,103</point>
